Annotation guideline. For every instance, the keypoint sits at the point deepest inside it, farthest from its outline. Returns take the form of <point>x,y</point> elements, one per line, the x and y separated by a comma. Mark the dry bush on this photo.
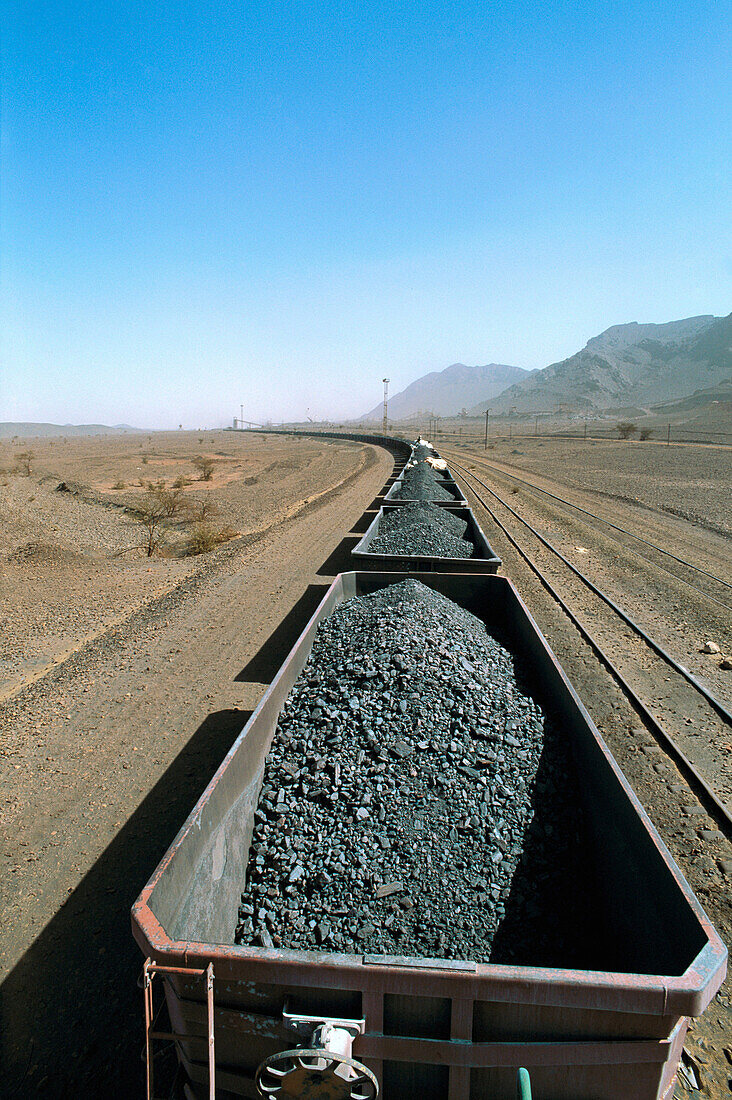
<point>204,538</point>
<point>119,484</point>
<point>646,433</point>
<point>145,460</point>
<point>181,482</point>
<point>626,429</point>
<point>205,466</point>
<point>150,516</point>
<point>203,510</point>
<point>251,480</point>
<point>24,460</point>
<point>172,502</point>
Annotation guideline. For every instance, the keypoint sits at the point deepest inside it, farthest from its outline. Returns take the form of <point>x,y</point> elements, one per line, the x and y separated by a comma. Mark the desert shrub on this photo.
<point>626,429</point>
<point>646,433</point>
<point>145,460</point>
<point>172,502</point>
<point>149,516</point>
<point>205,466</point>
<point>204,510</point>
<point>251,480</point>
<point>204,538</point>
<point>181,482</point>
<point>119,484</point>
<point>24,461</point>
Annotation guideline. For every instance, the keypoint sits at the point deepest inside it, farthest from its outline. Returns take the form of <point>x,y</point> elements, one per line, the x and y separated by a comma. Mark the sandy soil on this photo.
<point>66,568</point>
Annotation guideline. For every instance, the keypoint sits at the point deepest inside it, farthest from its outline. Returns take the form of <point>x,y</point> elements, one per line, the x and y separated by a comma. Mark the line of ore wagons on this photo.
<point>603,1016</point>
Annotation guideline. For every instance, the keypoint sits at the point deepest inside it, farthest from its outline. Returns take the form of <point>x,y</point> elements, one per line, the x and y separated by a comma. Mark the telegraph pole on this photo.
<point>386,399</point>
<point>241,417</point>
<point>487,414</point>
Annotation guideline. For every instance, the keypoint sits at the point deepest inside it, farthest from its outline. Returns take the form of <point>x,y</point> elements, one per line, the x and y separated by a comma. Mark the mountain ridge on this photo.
<point>626,366</point>
<point>449,391</point>
<point>40,429</point>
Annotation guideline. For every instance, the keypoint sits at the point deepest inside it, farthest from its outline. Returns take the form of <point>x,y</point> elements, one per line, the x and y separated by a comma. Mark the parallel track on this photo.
<point>623,530</point>
<point>700,785</point>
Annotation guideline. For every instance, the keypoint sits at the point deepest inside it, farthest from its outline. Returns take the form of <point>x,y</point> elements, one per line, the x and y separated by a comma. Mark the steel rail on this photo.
<point>706,793</point>
<point>623,530</point>
<point>710,697</point>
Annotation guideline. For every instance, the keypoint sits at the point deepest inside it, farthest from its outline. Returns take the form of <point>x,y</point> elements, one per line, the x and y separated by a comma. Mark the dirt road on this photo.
<point>104,758</point>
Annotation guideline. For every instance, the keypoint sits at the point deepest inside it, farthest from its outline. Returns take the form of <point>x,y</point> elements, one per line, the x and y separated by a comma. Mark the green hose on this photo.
<point>523,1085</point>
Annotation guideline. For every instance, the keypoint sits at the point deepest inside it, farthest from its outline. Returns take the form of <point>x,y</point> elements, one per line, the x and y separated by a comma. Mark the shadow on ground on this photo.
<point>71,1015</point>
<point>269,658</point>
<point>340,561</point>
<point>362,525</point>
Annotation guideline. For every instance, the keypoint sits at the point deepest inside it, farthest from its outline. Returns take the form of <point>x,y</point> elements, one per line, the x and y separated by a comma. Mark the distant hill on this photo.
<point>448,392</point>
<point>710,395</point>
<point>627,367</point>
<point>30,430</point>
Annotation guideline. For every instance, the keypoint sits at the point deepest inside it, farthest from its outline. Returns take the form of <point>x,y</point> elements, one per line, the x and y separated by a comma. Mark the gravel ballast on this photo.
<point>422,528</point>
<point>398,790</point>
<point>419,483</point>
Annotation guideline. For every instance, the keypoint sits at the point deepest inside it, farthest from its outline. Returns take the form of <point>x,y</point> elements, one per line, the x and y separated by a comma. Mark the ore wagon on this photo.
<point>483,558</point>
<point>433,1027</point>
<point>444,485</point>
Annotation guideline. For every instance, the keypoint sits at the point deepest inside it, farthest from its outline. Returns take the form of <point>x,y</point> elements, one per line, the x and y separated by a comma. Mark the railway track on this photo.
<point>695,703</point>
<point>630,534</point>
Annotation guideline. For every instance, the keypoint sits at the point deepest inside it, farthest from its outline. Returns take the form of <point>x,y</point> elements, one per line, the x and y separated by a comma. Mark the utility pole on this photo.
<point>487,414</point>
<point>241,417</point>
<point>536,425</point>
<point>585,429</point>
<point>386,399</point>
<point>668,436</point>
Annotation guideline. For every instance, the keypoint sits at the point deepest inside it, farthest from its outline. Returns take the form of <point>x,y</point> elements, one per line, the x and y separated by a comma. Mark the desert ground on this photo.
<point>124,679</point>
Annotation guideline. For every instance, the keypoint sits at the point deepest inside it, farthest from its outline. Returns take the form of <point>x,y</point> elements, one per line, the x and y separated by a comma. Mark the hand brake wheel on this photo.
<point>319,1072</point>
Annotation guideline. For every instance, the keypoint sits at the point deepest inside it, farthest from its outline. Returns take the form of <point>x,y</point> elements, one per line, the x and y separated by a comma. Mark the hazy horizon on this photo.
<point>278,206</point>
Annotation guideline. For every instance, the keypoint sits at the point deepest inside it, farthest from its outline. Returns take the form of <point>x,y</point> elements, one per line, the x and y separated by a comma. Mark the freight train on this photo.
<point>607,1021</point>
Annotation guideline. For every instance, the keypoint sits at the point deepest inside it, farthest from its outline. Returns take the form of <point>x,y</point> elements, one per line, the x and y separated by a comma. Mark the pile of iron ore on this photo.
<point>422,528</point>
<point>398,793</point>
<point>419,483</point>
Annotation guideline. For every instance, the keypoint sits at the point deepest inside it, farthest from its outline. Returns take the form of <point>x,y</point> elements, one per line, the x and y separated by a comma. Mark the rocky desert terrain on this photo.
<point>71,562</point>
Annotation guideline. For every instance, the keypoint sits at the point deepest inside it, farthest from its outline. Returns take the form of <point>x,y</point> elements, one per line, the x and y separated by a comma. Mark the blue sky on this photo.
<point>280,203</point>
